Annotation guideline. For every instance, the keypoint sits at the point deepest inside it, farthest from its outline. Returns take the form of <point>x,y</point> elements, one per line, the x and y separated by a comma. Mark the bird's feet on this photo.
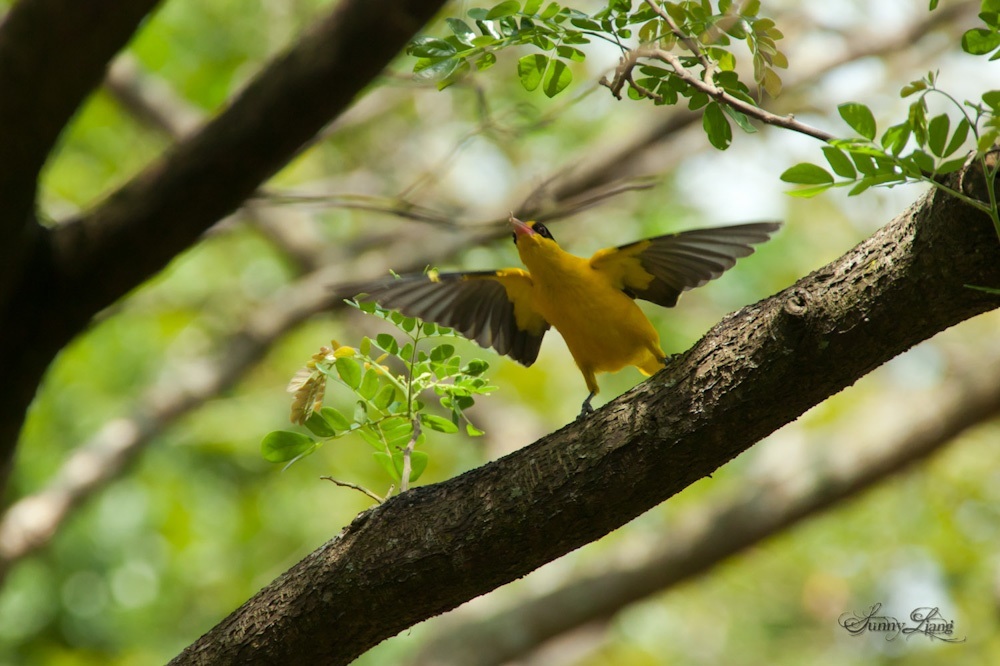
<point>586,408</point>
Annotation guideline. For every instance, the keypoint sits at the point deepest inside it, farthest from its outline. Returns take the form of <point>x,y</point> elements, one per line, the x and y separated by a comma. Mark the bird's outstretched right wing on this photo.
<point>660,269</point>
<point>493,308</point>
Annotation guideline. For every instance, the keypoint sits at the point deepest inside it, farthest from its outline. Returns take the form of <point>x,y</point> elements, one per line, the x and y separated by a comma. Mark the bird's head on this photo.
<point>531,236</point>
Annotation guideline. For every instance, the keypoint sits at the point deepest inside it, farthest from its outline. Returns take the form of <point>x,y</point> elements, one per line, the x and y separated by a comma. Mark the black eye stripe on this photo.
<point>542,230</point>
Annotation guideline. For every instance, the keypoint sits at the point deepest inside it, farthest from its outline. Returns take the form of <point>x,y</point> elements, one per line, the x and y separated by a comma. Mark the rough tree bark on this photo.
<point>428,550</point>
<point>772,503</point>
<point>54,279</point>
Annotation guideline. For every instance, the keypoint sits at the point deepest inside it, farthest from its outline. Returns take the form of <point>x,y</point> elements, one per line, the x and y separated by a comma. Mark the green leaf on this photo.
<point>418,463</point>
<point>918,121</point>
<point>531,7</point>
<point>571,53</point>
<point>335,418</point>
<point>992,100</point>
<point>740,118</point>
<point>282,445</point>
<point>507,8</point>
<point>441,424</point>
<point>864,163</point>
<point>371,438</point>
<point>442,352</point>
<point>385,397</point>
<point>550,10</point>
<point>808,192</point>
<point>950,166</point>
<point>369,384</point>
<point>349,371</point>
<point>476,367</point>
<point>839,162</point>
<point>462,30</point>
<point>387,343</point>
<point>713,120</point>
<point>862,185</point>
<point>429,47</point>
<point>895,138</point>
<point>385,462</point>
<point>859,117</point>
<point>360,412</point>
<point>807,174</point>
<point>913,87</point>
<point>486,61</point>
<point>980,41</point>
<point>557,77</point>
<point>318,425</point>
<point>429,70</point>
<point>473,431</point>
<point>937,133</point>
<point>958,138</point>
<point>398,433</point>
<point>771,82</point>
<point>923,161</point>
<point>530,69</point>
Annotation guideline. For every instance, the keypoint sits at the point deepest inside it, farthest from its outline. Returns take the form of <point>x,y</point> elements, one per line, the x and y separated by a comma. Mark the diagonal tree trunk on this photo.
<point>64,275</point>
<point>428,550</point>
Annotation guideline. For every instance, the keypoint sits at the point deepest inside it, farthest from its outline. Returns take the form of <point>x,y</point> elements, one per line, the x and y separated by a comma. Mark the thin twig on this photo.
<point>346,484</point>
<point>691,44</point>
<point>404,483</point>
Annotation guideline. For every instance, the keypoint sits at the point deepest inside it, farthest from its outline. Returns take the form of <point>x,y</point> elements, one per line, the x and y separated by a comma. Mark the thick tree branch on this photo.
<point>428,550</point>
<point>53,53</point>
<point>87,263</point>
<point>851,464</point>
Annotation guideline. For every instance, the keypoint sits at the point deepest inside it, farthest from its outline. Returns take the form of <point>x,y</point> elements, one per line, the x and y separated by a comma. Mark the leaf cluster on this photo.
<point>388,408</point>
<point>557,32</point>
<point>920,148</point>
<point>985,40</point>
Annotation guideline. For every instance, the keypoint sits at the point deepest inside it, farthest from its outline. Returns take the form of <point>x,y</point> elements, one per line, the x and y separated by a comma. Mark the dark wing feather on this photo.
<point>660,269</point>
<point>493,308</point>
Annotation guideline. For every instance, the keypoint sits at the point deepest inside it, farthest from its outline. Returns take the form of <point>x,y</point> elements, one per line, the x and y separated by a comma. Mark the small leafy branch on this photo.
<point>388,412</point>
<point>864,162</point>
<point>703,28</point>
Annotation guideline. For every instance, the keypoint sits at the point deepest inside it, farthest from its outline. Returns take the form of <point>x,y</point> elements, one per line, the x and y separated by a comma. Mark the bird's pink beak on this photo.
<point>520,228</point>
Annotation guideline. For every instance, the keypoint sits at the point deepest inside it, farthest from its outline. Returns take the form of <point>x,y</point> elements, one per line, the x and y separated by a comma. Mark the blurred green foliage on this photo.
<point>198,521</point>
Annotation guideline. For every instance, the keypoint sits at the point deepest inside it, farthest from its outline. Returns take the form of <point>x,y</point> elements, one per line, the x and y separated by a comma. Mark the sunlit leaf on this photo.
<point>385,462</point>
<point>937,133</point>
<point>720,133</point>
<point>507,8</point>
<point>839,162</point>
<point>435,422</point>
<point>859,117</point>
<point>335,418</point>
<point>807,174</point>
<point>980,41</point>
<point>282,445</point>
<point>430,47</point>
<point>557,77</point>
<point>349,371</point>
<point>530,69</point>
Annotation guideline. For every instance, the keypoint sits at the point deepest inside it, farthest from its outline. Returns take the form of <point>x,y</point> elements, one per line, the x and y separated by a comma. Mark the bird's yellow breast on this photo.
<point>603,328</point>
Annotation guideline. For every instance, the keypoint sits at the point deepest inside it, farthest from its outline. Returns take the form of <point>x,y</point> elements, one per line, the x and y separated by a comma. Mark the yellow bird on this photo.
<point>589,301</point>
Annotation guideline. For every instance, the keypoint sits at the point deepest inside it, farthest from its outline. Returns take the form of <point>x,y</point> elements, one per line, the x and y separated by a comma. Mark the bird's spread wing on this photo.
<point>494,308</point>
<point>659,269</point>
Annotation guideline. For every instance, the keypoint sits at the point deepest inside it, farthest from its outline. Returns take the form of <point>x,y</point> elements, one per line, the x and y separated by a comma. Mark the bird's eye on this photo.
<point>542,230</point>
